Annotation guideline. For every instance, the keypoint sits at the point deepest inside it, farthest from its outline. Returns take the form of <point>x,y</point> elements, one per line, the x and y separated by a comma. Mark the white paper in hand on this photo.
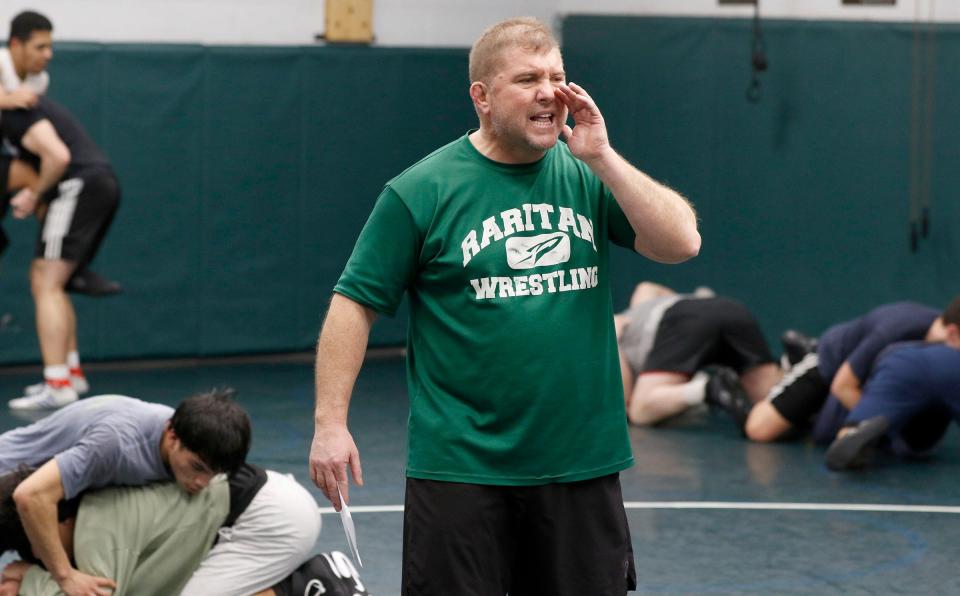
<point>348,528</point>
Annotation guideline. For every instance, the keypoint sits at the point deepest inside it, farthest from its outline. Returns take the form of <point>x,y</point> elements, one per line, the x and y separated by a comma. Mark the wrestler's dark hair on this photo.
<point>215,427</point>
<point>24,24</point>
<point>951,314</point>
<point>12,535</point>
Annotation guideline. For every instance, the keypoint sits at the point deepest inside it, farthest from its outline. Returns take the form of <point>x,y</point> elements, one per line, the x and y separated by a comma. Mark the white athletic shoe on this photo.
<point>79,384</point>
<point>48,399</point>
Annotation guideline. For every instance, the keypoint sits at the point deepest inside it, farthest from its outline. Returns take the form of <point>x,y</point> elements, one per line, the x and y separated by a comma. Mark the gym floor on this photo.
<point>709,512</point>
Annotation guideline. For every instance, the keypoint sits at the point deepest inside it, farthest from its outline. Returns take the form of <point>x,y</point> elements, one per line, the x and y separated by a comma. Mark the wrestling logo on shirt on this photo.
<point>528,252</point>
<point>538,251</point>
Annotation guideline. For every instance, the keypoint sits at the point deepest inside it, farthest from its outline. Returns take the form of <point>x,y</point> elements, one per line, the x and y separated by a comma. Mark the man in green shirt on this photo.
<point>517,429</point>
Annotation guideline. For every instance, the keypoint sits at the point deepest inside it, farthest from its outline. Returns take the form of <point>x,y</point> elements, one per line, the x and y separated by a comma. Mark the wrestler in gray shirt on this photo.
<point>102,441</point>
<point>111,440</point>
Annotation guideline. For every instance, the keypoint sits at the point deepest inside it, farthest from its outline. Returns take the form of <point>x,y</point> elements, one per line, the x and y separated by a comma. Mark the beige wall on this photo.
<point>396,22</point>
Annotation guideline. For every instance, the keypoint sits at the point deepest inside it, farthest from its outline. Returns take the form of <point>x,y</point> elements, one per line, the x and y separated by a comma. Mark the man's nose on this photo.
<point>545,92</point>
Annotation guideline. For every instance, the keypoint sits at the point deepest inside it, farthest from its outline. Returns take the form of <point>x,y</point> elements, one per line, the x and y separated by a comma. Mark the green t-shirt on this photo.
<point>149,539</point>
<point>512,364</point>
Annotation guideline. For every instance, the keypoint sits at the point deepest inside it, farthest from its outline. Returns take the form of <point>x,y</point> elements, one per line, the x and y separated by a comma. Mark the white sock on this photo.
<point>56,375</point>
<point>73,363</point>
<point>695,390</point>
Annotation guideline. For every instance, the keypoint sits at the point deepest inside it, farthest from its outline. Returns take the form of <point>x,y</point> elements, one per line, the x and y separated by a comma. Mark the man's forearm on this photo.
<point>42,140</point>
<point>848,396</point>
<point>36,499</point>
<point>340,352</point>
<point>846,386</point>
<point>39,519</point>
<point>665,223</point>
<point>51,171</point>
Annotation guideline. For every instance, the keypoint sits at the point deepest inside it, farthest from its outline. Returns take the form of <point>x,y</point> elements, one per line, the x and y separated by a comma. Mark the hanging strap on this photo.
<point>758,57</point>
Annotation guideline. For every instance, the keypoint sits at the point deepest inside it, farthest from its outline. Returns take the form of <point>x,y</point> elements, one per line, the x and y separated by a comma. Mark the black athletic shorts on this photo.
<point>5,197</point>
<point>4,242</point>
<point>707,331</point>
<point>562,539</point>
<point>801,393</point>
<point>5,161</point>
<point>78,216</point>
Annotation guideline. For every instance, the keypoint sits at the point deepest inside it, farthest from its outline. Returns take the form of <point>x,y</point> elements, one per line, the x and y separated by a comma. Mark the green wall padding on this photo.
<point>248,172</point>
<point>804,196</point>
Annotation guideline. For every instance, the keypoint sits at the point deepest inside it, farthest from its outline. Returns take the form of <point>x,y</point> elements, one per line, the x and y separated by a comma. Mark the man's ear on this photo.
<point>953,335</point>
<point>479,93</point>
<point>169,434</point>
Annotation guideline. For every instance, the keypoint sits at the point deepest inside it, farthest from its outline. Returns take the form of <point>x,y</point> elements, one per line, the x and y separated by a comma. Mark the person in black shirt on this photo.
<point>23,78</point>
<point>80,194</point>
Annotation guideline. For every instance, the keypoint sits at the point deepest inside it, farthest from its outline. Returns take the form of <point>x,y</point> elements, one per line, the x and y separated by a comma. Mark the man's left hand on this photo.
<point>587,139</point>
<point>77,583</point>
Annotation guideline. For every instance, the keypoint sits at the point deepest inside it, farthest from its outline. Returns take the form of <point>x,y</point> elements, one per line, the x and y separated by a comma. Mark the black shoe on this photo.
<point>797,345</point>
<point>725,391</point>
<point>327,573</point>
<point>86,281</point>
<point>853,450</point>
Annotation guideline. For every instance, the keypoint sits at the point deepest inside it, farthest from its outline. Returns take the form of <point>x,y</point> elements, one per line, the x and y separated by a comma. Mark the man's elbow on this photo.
<point>59,157</point>
<point>691,245</point>
<point>678,251</point>
<point>843,388</point>
<point>25,499</point>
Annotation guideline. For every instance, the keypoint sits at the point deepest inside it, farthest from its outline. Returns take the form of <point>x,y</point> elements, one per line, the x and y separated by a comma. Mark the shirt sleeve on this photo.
<point>894,389</point>
<point>621,232</point>
<point>39,82</point>
<point>8,74</point>
<point>385,259</point>
<point>862,358</point>
<point>15,123</point>
<point>37,581</point>
<point>91,462</point>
